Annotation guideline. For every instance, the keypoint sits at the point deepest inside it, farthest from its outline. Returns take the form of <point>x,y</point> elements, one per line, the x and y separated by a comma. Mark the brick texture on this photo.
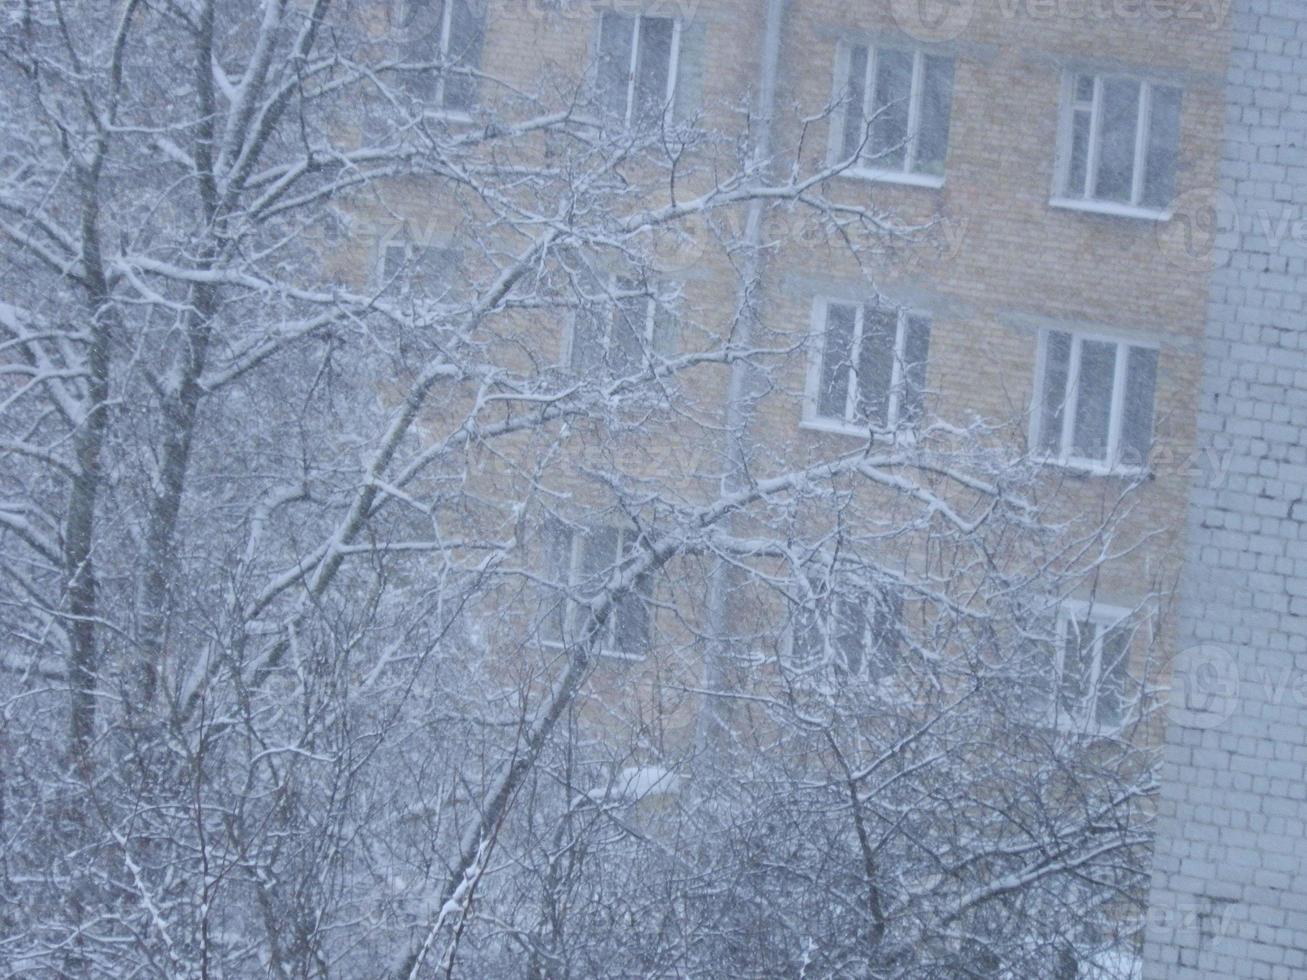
<point>1229,895</point>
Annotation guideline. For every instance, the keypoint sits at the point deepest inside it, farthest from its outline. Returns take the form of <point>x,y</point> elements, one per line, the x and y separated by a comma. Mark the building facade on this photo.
<point>1052,163</point>
<point>1057,167</point>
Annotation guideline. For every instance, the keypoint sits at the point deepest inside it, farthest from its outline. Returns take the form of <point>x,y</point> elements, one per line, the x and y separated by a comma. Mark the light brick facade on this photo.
<point>1006,264</point>
<point>1002,265</point>
<point>1229,895</point>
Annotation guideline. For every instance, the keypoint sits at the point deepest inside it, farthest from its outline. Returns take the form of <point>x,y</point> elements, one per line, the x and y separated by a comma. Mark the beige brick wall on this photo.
<point>999,263</point>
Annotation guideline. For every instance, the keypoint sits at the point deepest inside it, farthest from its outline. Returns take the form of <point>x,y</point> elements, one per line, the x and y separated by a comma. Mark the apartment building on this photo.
<point>1032,184</point>
<point>1055,149</point>
<point>1056,165</point>
<point>601,488</point>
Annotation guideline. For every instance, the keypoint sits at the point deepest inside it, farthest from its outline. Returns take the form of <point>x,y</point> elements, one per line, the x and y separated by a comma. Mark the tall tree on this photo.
<point>355,623</point>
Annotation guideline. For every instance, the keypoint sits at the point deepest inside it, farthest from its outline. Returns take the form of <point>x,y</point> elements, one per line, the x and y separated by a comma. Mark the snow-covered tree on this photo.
<point>400,575</point>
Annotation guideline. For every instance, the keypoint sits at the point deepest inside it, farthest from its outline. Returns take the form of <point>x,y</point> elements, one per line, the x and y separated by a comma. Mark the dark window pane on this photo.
<point>1113,677</point>
<point>1118,127</point>
<point>855,120</point>
<point>936,106</point>
<point>807,638</point>
<point>653,61</point>
<point>589,341</point>
<point>886,632</point>
<point>598,554</point>
<point>558,561</point>
<point>1084,88</point>
<point>876,364</point>
<point>1094,399</point>
<point>849,632</point>
<point>916,351</point>
<point>393,262</point>
<point>1078,165</point>
<point>613,72</point>
<point>434,269</point>
<point>666,331</point>
<point>630,326</point>
<point>1052,400</point>
<point>467,26</point>
<point>833,385</point>
<point>1041,664</point>
<point>1163,145</point>
<point>810,627</point>
<point>625,345</point>
<point>420,27</point>
<point>631,619</point>
<point>1137,424</point>
<point>889,125</point>
<point>1077,668</point>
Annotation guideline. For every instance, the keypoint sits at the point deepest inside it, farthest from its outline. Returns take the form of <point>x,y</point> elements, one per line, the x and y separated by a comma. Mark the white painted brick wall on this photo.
<point>1229,893</point>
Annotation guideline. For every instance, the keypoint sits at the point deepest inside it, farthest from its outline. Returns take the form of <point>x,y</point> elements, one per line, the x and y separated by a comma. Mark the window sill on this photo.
<point>1060,723</point>
<point>1080,729</point>
<point>899,437</point>
<point>668,123</point>
<point>902,177</point>
<point>457,117</point>
<point>832,427</point>
<point>883,690</point>
<point>618,655</point>
<point>626,658</point>
<point>826,678</point>
<point>1088,467</point>
<point>1110,208</point>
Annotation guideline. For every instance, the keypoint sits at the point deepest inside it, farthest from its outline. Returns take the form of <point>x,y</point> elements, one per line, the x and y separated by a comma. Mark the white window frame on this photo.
<point>400,239</point>
<point>648,336</point>
<point>437,107</point>
<point>573,608</point>
<point>849,425</point>
<point>906,175</point>
<point>446,19</point>
<point>673,62</point>
<point>1106,618</point>
<point>831,654</point>
<point>1111,465</point>
<point>1066,197</point>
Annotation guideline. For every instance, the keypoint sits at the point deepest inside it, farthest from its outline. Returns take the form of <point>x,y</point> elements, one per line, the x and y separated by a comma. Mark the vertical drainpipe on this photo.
<point>739,404</point>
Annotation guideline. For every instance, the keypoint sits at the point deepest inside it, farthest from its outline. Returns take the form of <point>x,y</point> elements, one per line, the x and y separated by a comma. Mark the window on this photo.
<point>1096,401</point>
<point>869,367</point>
<point>411,270</point>
<point>1092,675</point>
<point>450,33</point>
<point>615,337</point>
<point>893,116</point>
<point>854,632</point>
<point>1119,141</point>
<point>584,560</point>
<point>636,70</point>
